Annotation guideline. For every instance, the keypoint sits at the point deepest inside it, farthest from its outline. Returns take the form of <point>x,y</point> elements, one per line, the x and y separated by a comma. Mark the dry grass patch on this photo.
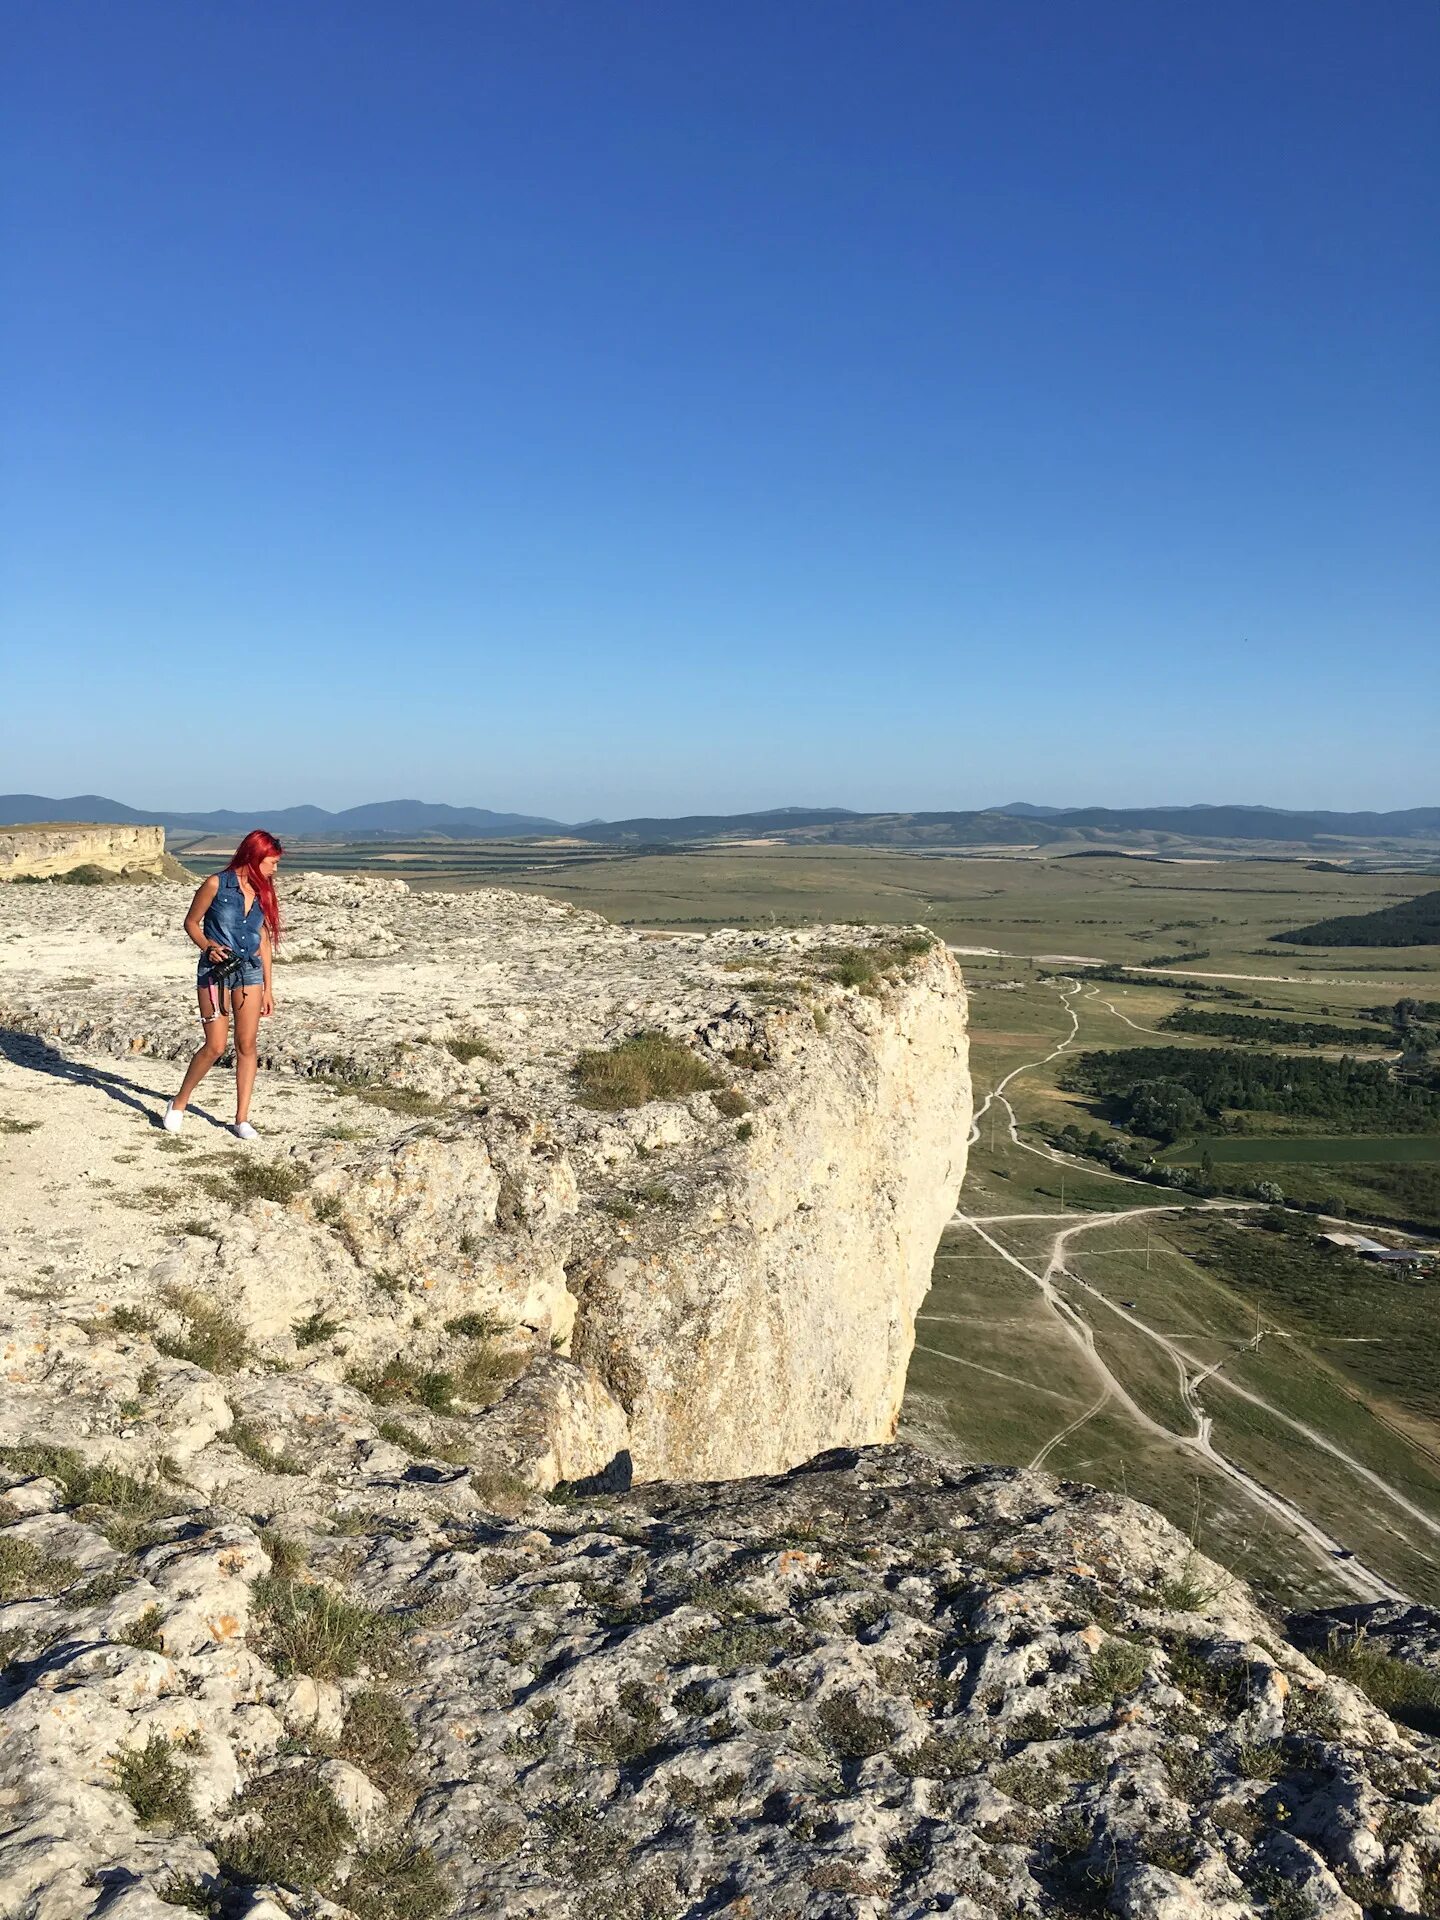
<point>213,1338</point>
<point>651,1066</point>
<point>308,1628</point>
<point>123,1508</point>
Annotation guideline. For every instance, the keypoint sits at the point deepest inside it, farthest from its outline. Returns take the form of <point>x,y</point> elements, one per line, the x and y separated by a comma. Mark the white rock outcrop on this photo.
<point>735,1263</point>
<point>43,851</point>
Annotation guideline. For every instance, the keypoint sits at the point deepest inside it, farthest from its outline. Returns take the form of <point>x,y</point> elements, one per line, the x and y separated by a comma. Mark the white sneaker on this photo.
<point>243,1130</point>
<point>173,1118</point>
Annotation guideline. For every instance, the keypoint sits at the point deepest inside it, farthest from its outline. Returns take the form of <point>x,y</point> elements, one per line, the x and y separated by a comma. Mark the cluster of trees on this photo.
<point>1127,1157</point>
<point>1268,1031</point>
<point>1409,923</point>
<point>1167,1093</point>
<point>1404,1014</point>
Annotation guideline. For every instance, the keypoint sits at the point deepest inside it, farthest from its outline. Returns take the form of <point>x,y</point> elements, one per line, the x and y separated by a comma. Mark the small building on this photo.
<point>1356,1243</point>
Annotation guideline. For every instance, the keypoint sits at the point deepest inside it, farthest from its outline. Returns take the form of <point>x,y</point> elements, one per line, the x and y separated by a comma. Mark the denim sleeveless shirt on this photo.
<point>228,924</point>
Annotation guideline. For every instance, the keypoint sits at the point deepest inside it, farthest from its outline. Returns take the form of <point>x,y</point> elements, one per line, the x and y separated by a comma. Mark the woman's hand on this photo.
<point>267,1004</point>
<point>216,954</point>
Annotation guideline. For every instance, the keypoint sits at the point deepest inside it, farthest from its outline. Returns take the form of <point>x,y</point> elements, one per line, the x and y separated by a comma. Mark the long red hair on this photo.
<point>259,845</point>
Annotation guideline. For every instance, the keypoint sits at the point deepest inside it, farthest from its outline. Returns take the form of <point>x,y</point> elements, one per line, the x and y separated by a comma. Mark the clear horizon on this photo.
<point>618,412</point>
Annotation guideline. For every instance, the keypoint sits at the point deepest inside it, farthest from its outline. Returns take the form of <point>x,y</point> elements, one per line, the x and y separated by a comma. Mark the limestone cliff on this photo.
<point>53,848</point>
<point>729,1266</point>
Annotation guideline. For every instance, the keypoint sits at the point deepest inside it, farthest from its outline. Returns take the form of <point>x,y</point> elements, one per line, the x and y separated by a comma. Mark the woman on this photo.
<point>234,919</point>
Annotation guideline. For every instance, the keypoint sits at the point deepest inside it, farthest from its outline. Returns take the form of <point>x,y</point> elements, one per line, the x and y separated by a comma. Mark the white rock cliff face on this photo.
<point>40,852</point>
<point>734,1271</point>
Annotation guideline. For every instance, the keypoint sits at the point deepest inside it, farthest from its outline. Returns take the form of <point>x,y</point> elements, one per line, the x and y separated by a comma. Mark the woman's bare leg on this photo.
<point>247,1025</point>
<point>215,1016</point>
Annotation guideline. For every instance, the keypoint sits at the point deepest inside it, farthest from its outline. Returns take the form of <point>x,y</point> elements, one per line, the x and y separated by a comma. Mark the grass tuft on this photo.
<point>307,1628</point>
<point>213,1339</point>
<point>256,1179</point>
<point>28,1572</point>
<point>1407,1693</point>
<point>124,1509</point>
<point>398,1880</point>
<point>651,1066</point>
<point>248,1440</point>
<point>376,1737</point>
<point>468,1049</point>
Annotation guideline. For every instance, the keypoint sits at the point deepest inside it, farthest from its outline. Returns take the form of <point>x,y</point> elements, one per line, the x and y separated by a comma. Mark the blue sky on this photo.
<point>595,407</point>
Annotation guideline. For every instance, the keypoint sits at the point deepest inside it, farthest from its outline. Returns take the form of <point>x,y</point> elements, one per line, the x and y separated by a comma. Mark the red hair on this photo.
<point>259,845</point>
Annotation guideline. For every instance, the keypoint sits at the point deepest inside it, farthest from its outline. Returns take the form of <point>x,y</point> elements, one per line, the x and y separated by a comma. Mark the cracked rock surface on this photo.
<point>876,1685</point>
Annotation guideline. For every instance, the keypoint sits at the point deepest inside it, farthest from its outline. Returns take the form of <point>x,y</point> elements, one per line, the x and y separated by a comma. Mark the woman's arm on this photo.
<point>267,1001</point>
<point>199,907</point>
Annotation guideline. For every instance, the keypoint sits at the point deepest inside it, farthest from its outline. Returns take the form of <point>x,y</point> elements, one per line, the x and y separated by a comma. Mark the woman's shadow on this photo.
<point>38,1056</point>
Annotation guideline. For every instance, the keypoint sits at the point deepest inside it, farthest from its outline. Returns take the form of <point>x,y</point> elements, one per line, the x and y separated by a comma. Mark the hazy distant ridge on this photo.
<point>1019,824</point>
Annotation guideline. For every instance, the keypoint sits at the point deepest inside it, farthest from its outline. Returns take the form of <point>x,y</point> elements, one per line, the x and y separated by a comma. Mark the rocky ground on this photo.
<point>322,1588</point>
<point>874,1686</point>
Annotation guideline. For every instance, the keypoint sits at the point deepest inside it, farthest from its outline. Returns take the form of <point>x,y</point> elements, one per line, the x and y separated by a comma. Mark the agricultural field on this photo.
<point>1258,1386</point>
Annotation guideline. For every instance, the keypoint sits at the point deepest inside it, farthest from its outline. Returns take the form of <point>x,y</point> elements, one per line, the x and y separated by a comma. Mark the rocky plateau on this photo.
<point>477,1497</point>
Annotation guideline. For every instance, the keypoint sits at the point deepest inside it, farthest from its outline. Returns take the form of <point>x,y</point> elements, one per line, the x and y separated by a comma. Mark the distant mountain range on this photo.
<point>405,817</point>
<point>1018,824</point>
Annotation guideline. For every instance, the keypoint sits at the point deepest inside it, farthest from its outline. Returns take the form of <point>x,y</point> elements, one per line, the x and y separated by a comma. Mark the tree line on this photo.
<point>1170,1093</point>
<point>1409,923</point>
<point>1266,1030</point>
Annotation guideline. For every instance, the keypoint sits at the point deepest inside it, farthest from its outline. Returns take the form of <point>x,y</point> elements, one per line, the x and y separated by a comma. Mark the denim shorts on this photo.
<point>251,974</point>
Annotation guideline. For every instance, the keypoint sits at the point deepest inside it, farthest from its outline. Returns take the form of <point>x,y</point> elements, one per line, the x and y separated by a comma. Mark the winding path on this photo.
<point>1352,1573</point>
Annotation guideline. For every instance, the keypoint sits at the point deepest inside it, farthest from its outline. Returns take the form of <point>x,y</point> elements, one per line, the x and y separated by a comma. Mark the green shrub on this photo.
<point>652,1066</point>
<point>731,1102</point>
<point>315,1328</point>
<point>144,1631</point>
<point>474,1326</point>
<point>154,1783</point>
<point>287,1828</point>
<point>28,1572</point>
